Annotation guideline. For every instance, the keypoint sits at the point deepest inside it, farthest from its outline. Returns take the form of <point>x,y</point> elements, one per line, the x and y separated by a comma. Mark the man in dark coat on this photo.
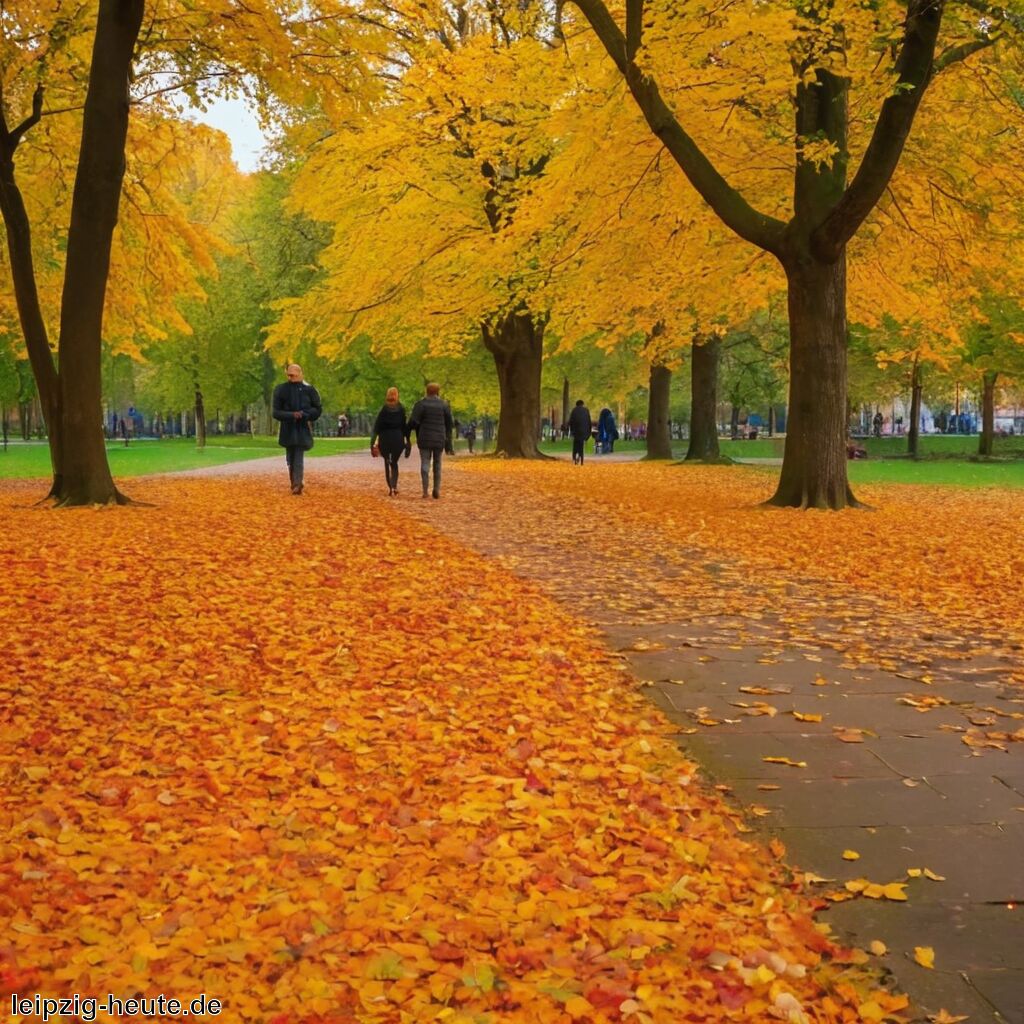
<point>580,426</point>
<point>296,406</point>
<point>432,420</point>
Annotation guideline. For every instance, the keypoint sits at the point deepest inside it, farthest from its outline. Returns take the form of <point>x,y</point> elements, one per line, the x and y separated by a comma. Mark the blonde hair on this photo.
<point>391,396</point>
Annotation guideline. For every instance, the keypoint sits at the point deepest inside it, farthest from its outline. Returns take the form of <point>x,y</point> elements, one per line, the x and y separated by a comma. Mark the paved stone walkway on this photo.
<point>887,775</point>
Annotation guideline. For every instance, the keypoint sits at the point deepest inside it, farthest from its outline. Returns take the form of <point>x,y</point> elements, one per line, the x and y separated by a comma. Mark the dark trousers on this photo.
<point>295,455</point>
<point>428,456</point>
<point>391,468</point>
<point>577,448</point>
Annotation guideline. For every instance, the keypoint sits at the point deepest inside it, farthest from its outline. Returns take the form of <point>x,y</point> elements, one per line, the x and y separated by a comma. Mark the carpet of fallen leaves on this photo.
<point>951,558</point>
<point>315,760</point>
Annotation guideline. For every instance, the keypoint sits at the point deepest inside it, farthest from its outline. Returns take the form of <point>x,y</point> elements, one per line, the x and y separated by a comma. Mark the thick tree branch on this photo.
<point>958,54</point>
<point>758,228</point>
<point>914,66</point>
<point>11,139</point>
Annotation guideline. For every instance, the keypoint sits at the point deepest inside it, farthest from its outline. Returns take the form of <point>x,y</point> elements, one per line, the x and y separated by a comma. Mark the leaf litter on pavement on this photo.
<point>321,763</point>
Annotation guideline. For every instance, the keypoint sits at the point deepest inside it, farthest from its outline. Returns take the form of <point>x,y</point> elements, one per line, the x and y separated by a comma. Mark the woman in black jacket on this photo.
<point>392,428</point>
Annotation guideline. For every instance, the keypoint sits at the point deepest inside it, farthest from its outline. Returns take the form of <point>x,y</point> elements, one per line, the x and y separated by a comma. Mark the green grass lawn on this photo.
<point>946,472</point>
<point>142,457</point>
<point>945,459</point>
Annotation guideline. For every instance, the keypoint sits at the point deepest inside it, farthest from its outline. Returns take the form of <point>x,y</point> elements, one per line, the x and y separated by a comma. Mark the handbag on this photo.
<point>375,450</point>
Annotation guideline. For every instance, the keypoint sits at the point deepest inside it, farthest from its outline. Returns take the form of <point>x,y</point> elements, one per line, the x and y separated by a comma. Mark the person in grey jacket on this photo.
<point>296,406</point>
<point>432,420</point>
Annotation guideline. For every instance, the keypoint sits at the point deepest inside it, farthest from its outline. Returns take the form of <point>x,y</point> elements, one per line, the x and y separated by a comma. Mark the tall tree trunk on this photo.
<point>200,420</point>
<point>659,444</point>
<point>916,387</point>
<point>771,420</point>
<point>23,276</point>
<point>86,475</point>
<point>704,400</point>
<point>734,421</point>
<point>517,345</point>
<point>814,461</point>
<point>565,404</point>
<point>986,441</point>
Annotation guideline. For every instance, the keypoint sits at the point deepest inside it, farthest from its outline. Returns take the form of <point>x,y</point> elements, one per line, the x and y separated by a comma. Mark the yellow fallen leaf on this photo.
<point>579,1007</point>
<point>851,855</point>
<point>871,1011</point>
<point>894,891</point>
<point>925,956</point>
<point>928,873</point>
<point>801,717</point>
<point>786,761</point>
<point>944,1017</point>
<point>878,947</point>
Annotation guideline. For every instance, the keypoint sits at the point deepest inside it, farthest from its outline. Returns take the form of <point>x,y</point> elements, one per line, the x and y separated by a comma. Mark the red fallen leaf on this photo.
<point>39,739</point>
<point>608,1000</point>
<point>732,996</point>
<point>445,951</point>
<point>521,957</point>
<point>652,844</point>
<point>473,854</point>
<point>524,750</point>
<point>534,783</point>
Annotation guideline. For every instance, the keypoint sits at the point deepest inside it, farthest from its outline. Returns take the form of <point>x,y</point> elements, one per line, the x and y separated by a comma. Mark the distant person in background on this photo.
<point>877,423</point>
<point>607,434</point>
<point>580,426</point>
<point>470,437</point>
<point>392,429</point>
<point>432,420</point>
<point>296,406</point>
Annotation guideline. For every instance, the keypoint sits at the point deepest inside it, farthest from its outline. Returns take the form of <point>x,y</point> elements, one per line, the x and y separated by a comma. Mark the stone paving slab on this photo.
<point>997,879</point>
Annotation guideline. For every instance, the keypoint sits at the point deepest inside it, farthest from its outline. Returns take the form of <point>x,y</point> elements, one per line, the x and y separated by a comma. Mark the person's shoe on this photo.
<point>425,495</point>
<point>437,494</point>
<point>297,489</point>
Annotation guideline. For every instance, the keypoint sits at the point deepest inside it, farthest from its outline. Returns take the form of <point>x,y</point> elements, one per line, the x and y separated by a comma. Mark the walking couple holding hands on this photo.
<point>431,419</point>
